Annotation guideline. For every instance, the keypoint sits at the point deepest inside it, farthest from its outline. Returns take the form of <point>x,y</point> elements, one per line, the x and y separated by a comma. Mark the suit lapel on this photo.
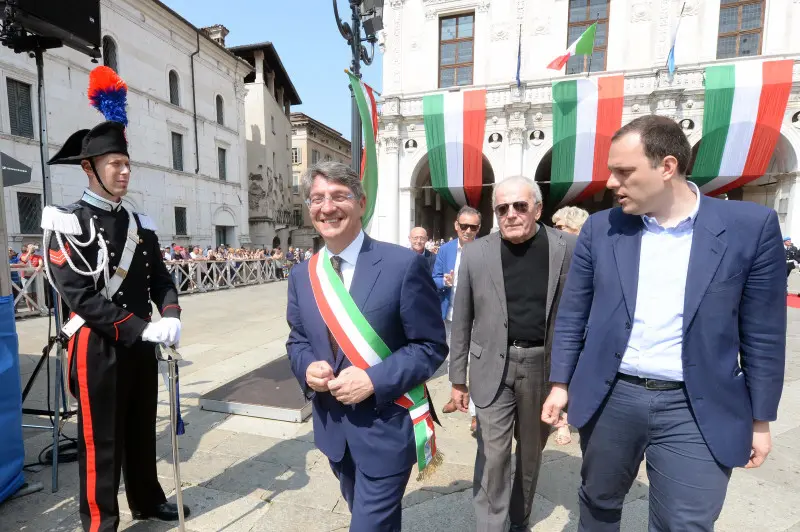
<point>557,251</point>
<point>491,251</point>
<point>704,260</point>
<point>627,246</point>
<point>366,274</point>
<point>364,278</point>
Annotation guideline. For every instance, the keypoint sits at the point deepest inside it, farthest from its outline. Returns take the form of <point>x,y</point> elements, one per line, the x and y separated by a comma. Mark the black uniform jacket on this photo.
<point>124,317</point>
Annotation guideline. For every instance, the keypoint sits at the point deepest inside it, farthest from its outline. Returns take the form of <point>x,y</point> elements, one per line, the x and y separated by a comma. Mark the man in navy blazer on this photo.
<point>670,338</point>
<point>445,275</point>
<point>367,438</point>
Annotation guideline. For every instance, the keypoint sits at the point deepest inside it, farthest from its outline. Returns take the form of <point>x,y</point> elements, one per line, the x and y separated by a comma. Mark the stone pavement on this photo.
<point>248,474</point>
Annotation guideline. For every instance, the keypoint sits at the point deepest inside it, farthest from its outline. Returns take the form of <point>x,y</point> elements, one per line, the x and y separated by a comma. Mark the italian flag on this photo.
<point>586,113</point>
<point>744,108</point>
<point>455,123</point>
<point>365,100</point>
<point>584,45</point>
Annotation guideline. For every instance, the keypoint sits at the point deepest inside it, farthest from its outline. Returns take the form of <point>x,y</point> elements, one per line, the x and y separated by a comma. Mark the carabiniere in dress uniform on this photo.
<point>104,261</point>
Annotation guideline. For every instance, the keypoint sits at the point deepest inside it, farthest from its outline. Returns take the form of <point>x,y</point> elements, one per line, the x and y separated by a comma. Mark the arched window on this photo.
<point>110,53</point>
<point>220,111</point>
<point>174,88</point>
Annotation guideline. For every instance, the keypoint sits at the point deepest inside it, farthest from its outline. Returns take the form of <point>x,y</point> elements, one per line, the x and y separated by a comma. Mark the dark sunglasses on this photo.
<point>521,207</point>
<point>473,227</point>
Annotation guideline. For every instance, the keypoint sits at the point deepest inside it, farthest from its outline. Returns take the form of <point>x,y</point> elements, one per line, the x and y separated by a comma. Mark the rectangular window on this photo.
<point>272,120</point>
<point>177,151</point>
<point>314,156</point>
<point>741,23</point>
<point>456,48</point>
<point>296,183</point>
<point>221,161</point>
<point>295,155</point>
<point>582,14</point>
<point>29,207</point>
<point>20,110</point>
<point>180,221</point>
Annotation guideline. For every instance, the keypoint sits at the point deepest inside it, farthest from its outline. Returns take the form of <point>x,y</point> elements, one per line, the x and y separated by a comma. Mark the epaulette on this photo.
<point>145,222</point>
<point>61,219</point>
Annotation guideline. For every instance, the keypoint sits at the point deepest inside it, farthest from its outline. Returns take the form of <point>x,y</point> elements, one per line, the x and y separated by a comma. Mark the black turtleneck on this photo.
<point>525,273</point>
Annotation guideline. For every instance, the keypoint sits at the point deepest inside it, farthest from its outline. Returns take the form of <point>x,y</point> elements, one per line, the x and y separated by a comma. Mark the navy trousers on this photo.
<point>375,503</point>
<point>687,486</point>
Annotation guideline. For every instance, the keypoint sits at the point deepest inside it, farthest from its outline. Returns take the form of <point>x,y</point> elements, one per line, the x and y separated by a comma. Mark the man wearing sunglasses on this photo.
<point>445,275</point>
<point>508,291</point>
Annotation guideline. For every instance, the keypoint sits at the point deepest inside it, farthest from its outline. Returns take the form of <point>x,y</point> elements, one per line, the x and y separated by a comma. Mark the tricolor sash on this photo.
<point>364,348</point>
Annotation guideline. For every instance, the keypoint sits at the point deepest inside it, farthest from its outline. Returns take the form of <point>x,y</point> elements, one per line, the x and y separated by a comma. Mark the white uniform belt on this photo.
<point>114,284</point>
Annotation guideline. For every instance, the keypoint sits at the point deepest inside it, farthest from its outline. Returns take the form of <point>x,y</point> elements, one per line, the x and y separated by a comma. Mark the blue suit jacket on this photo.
<point>393,289</point>
<point>445,263</point>
<point>735,304</point>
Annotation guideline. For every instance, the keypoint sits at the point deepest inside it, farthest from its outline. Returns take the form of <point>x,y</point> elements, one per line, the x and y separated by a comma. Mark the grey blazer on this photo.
<point>480,317</point>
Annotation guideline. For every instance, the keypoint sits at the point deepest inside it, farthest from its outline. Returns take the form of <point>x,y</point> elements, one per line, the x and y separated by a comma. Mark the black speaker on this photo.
<point>74,22</point>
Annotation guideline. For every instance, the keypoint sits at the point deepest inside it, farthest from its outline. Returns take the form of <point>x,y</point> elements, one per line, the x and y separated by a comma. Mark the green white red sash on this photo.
<point>364,348</point>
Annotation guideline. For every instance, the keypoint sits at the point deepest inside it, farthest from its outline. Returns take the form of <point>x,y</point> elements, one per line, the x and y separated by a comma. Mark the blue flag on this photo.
<point>671,56</point>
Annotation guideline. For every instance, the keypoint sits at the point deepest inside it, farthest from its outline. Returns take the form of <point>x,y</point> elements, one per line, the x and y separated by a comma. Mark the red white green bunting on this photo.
<point>455,123</point>
<point>744,108</point>
<point>364,348</point>
<point>365,100</point>
<point>586,113</point>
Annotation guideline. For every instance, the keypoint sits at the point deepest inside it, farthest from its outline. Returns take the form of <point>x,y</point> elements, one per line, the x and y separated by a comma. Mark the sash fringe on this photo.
<point>431,468</point>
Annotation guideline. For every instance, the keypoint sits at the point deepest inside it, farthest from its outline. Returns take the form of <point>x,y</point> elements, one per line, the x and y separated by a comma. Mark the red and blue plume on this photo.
<point>108,94</point>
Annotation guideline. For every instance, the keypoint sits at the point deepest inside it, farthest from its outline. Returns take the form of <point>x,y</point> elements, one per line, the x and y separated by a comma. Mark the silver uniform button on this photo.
<point>148,276</point>
<point>115,268</point>
<point>147,264</point>
<point>102,230</point>
<point>124,305</point>
<point>144,253</point>
<point>94,216</point>
<point>120,292</point>
<point>112,254</point>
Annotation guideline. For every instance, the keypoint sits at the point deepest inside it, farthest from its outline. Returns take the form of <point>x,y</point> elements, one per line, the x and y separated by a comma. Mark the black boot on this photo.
<point>166,511</point>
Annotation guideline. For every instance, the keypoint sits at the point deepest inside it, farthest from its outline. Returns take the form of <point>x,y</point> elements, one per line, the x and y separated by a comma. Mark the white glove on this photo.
<point>166,331</point>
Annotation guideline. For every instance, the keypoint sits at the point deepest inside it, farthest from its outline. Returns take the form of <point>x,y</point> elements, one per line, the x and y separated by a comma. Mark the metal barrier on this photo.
<point>208,275</point>
<point>30,286</point>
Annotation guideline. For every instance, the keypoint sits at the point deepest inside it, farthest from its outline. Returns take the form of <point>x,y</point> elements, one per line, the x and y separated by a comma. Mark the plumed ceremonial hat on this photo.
<point>108,94</point>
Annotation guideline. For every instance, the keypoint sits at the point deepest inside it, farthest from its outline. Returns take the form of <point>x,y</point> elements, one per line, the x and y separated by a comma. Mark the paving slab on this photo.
<point>245,473</point>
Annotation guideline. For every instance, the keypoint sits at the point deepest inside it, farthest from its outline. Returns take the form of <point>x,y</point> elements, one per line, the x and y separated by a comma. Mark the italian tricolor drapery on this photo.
<point>455,123</point>
<point>744,107</point>
<point>586,113</point>
<point>365,100</point>
<point>364,348</point>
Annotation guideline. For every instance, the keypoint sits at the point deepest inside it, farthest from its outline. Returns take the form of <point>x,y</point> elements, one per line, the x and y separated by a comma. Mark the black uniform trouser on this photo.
<point>116,389</point>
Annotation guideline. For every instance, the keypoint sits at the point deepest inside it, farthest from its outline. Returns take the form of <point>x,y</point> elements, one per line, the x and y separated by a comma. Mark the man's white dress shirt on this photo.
<point>349,258</point>
<point>656,341</point>
<point>455,283</point>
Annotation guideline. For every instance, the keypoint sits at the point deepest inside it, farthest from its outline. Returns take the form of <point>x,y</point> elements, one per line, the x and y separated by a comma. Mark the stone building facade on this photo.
<point>312,142</point>
<point>633,38</point>
<point>270,96</point>
<point>187,129</point>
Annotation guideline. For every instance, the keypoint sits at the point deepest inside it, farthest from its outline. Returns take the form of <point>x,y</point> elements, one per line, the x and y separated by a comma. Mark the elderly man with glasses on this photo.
<point>508,292</point>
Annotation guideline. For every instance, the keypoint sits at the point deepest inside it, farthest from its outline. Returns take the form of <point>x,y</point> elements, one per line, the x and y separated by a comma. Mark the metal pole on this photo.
<point>355,49</point>
<point>47,189</point>
<point>173,417</point>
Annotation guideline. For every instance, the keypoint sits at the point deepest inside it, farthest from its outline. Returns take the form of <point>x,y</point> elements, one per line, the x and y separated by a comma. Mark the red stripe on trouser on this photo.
<point>609,119</point>
<point>777,84</point>
<point>88,432</point>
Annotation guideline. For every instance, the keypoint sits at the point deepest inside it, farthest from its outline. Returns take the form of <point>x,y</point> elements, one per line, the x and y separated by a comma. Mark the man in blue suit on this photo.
<point>367,437</point>
<point>670,338</point>
<point>445,275</point>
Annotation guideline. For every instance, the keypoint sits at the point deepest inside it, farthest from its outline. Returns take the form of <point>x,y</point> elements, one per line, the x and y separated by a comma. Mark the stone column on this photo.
<point>405,207</point>
<point>387,208</point>
<point>515,137</point>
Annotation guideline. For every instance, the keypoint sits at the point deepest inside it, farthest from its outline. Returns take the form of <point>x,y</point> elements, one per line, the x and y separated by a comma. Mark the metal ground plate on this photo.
<point>269,392</point>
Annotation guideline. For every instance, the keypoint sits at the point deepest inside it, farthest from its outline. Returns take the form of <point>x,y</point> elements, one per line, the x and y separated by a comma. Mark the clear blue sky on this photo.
<point>305,36</point>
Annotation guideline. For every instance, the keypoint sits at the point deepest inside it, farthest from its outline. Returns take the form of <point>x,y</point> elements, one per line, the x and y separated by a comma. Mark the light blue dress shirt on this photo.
<point>656,341</point>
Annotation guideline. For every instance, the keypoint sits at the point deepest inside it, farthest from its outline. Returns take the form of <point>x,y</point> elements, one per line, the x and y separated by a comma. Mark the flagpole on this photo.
<point>347,71</point>
<point>591,55</point>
